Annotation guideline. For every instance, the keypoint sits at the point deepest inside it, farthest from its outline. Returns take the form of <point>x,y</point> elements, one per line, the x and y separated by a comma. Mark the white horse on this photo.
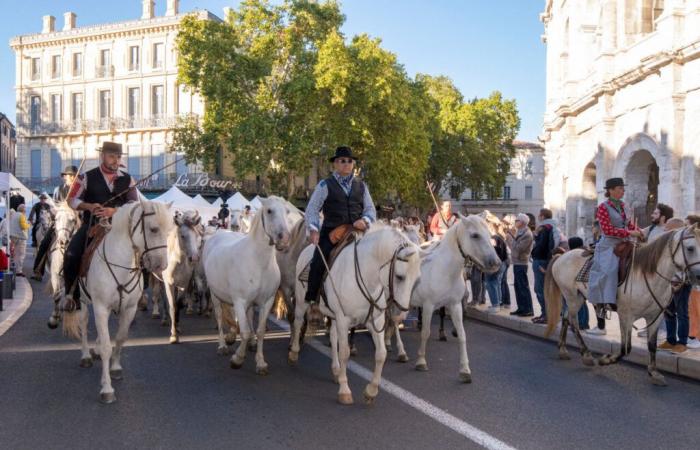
<point>241,272</point>
<point>670,259</point>
<point>45,220</point>
<point>184,251</point>
<point>66,224</point>
<point>442,283</point>
<point>287,262</point>
<point>370,283</point>
<point>137,240</point>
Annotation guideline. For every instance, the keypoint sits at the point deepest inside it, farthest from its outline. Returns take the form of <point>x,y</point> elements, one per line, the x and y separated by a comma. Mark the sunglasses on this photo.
<point>345,161</point>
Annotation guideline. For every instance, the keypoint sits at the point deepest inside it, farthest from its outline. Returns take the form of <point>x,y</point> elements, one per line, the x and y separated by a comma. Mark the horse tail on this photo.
<point>71,324</point>
<point>552,297</point>
<point>280,307</point>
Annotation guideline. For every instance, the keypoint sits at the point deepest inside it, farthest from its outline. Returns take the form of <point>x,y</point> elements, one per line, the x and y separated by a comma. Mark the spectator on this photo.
<point>506,227</point>
<point>693,302</point>
<point>18,236</point>
<point>532,224</point>
<point>223,216</point>
<point>36,212</point>
<point>546,240</point>
<point>493,280</point>
<point>677,326</point>
<point>244,220</point>
<point>659,217</point>
<point>521,246</point>
<point>442,220</point>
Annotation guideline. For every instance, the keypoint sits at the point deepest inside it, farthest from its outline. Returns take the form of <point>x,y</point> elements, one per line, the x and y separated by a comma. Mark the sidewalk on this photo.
<point>686,364</point>
<point>15,307</point>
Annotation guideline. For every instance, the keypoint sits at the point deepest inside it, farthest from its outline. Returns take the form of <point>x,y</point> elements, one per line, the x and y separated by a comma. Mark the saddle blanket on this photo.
<point>585,272</point>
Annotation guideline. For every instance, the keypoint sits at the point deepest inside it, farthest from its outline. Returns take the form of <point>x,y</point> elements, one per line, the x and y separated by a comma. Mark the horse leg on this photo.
<point>465,373</point>
<point>155,298</point>
<point>239,356</point>
<point>125,319</point>
<point>563,352</point>
<point>344,393</point>
<point>261,367</point>
<point>372,389</point>
<point>85,357</point>
<point>171,293</point>
<point>252,344</point>
<point>421,363</point>
<point>625,343</point>
<point>388,333</point>
<point>222,349</point>
<point>441,332</point>
<point>656,377</point>
<point>105,348</point>
<point>299,314</point>
<point>353,348</point>
<point>400,350</point>
<point>335,362</point>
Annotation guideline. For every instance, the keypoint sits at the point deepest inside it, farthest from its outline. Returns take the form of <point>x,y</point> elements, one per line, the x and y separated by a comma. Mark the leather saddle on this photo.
<point>96,235</point>
<point>347,238</point>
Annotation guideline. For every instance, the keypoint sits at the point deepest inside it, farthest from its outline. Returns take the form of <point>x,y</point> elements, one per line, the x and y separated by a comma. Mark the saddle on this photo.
<point>623,251</point>
<point>96,235</point>
<point>348,238</point>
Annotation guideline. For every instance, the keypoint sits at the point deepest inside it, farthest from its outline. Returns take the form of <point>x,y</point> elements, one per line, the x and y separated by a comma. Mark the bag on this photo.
<point>339,233</point>
<point>4,260</point>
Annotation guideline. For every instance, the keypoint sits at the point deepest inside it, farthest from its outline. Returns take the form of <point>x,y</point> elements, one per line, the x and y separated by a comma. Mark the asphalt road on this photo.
<point>186,396</point>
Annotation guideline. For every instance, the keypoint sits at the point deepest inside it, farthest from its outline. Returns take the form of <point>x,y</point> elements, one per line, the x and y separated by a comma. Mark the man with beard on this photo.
<point>659,217</point>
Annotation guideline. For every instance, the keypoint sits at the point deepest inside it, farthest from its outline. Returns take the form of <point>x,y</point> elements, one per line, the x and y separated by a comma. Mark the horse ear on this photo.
<point>407,252</point>
<point>169,205</point>
<point>177,218</point>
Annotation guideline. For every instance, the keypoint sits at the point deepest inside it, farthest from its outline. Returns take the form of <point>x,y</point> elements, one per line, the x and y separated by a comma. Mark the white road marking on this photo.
<point>456,424</point>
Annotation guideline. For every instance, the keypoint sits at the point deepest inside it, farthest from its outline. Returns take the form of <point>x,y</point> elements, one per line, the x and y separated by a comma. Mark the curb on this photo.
<point>667,362</point>
<point>23,298</point>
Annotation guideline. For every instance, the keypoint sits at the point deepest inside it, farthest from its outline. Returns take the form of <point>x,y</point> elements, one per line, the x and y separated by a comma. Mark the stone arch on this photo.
<point>642,178</point>
<point>588,201</point>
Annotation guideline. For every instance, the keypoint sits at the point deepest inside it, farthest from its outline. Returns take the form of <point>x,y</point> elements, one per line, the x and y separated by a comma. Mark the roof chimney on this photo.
<point>69,21</point>
<point>49,24</point>
<point>148,9</point>
<point>173,7</point>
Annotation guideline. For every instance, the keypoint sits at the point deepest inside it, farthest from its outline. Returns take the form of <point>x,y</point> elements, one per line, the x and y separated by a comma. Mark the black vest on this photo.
<point>98,192</point>
<point>340,209</point>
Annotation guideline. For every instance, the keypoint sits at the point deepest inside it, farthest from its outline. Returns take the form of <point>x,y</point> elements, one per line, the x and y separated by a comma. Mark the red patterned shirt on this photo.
<point>606,227</point>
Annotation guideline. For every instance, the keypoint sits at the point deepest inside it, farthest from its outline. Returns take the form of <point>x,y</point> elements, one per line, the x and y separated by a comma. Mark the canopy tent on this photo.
<point>174,195</point>
<point>200,201</point>
<point>217,203</point>
<point>9,182</point>
<point>237,202</point>
<point>256,203</point>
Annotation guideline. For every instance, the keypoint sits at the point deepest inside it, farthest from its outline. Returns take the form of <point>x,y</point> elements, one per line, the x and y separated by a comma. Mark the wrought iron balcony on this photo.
<point>104,71</point>
<point>107,123</point>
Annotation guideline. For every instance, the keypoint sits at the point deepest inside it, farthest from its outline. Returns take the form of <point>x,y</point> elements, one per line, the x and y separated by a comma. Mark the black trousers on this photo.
<point>40,259</point>
<point>318,269</point>
<point>34,228</point>
<point>72,259</point>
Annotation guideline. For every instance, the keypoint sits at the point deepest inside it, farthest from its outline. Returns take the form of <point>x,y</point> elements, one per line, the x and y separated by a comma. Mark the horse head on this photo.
<point>190,233</point>
<point>404,271</point>
<point>66,222</point>
<point>149,226</point>
<point>273,219</point>
<point>688,258</point>
<point>474,241</point>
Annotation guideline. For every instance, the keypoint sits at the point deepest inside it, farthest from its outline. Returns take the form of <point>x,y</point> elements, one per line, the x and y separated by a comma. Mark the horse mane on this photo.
<point>298,229</point>
<point>376,236</point>
<point>648,256</point>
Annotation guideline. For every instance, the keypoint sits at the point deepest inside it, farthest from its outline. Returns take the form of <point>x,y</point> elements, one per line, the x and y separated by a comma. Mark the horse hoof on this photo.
<point>108,397</point>
<point>230,338</point>
<point>353,350</point>
<point>422,367</point>
<point>658,380</point>
<point>174,340</point>
<point>264,371</point>
<point>564,356</point>
<point>389,349</point>
<point>442,337</point>
<point>604,360</point>
<point>222,351</point>
<point>94,355</point>
<point>52,324</point>
<point>189,311</point>
<point>402,358</point>
<point>86,363</point>
<point>588,361</point>
<point>369,400</point>
<point>116,374</point>
<point>465,377</point>
<point>252,347</point>
<point>236,365</point>
<point>345,399</point>
<point>292,358</point>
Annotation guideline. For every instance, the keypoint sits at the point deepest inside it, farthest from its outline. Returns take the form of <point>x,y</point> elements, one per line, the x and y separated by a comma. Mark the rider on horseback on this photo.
<point>98,192</point>
<point>60,194</point>
<point>344,200</point>
<point>614,228</point>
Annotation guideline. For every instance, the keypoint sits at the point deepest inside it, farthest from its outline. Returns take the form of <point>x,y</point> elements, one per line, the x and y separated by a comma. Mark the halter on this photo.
<point>141,222</point>
<point>271,241</point>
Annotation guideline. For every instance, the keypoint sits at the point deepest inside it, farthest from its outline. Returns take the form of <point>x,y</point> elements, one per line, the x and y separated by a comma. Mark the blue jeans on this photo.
<point>493,285</point>
<point>505,290</point>
<point>582,316</point>
<point>522,289</point>
<point>539,282</point>
<point>679,323</point>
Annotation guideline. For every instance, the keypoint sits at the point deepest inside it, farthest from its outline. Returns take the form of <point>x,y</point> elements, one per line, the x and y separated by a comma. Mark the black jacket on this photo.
<point>544,243</point>
<point>339,208</point>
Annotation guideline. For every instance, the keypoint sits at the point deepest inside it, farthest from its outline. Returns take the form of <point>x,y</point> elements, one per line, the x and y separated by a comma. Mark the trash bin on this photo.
<point>6,284</point>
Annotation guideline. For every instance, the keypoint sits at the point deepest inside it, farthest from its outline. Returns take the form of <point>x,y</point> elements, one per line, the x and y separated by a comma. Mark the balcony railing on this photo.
<point>80,126</point>
<point>104,71</point>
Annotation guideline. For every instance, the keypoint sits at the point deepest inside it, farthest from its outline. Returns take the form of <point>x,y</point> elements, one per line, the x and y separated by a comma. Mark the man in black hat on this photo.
<point>34,214</point>
<point>60,194</point>
<point>344,200</point>
<point>223,216</point>
<point>97,193</point>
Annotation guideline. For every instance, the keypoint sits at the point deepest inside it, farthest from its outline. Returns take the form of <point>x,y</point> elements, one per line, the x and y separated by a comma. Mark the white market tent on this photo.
<point>256,203</point>
<point>200,201</point>
<point>174,195</point>
<point>237,202</point>
<point>183,202</point>
<point>217,203</point>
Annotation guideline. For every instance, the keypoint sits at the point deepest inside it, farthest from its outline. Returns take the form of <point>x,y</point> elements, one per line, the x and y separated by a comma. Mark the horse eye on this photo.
<point>154,230</point>
<point>400,277</point>
<point>691,249</point>
<point>475,236</point>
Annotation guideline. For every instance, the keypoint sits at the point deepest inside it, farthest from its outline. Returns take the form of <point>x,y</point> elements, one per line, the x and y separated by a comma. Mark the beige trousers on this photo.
<point>20,253</point>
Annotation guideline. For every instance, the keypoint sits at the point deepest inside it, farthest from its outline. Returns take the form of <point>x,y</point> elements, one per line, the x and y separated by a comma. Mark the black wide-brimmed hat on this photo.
<point>342,152</point>
<point>111,147</point>
<point>612,183</point>
<point>70,170</point>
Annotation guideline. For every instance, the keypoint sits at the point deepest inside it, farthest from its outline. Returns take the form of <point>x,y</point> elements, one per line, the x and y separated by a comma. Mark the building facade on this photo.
<point>523,191</point>
<point>80,86</point>
<point>623,100</point>
<point>8,144</point>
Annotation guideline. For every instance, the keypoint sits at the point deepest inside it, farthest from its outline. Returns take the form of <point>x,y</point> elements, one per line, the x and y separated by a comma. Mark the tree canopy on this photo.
<point>283,86</point>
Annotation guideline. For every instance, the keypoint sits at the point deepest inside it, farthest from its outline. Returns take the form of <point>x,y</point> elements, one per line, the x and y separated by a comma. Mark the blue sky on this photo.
<point>483,45</point>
